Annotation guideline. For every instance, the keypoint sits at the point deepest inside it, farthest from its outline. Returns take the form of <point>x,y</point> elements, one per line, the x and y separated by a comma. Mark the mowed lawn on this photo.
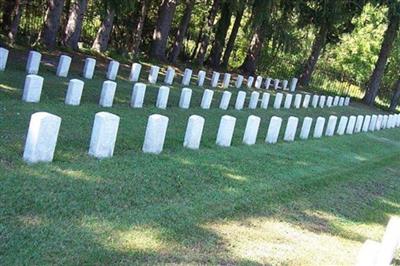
<point>308,202</point>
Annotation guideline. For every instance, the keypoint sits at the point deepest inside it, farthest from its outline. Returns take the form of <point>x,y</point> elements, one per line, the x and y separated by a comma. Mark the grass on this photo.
<point>303,203</point>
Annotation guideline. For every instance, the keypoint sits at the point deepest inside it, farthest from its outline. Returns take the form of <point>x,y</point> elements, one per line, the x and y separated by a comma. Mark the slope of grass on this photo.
<point>303,203</point>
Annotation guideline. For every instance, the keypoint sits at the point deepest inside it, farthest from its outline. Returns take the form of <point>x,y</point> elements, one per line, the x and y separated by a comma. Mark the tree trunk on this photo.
<point>396,96</point>
<point>220,35</point>
<point>180,35</point>
<point>48,34</point>
<point>160,35</point>
<point>74,24</point>
<point>15,19</point>
<point>387,44</point>
<point>8,7</point>
<point>137,35</point>
<point>206,32</point>
<point>318,45</point>
<point>100,44</point>
<point>232,38</point>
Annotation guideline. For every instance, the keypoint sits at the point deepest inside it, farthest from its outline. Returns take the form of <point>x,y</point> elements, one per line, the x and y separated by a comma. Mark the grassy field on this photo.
<point>303,203</point>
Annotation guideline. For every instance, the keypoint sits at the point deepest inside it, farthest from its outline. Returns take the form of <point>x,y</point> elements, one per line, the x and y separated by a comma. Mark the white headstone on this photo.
<point>306,127</point>
<point>265,100</point>
<point>278,100</point>
<point>3,58</point>
<point>273,130</point>
<point>240,99</point>
<point>378,125</point>
<point>104,135</point>
<point>372,124</point>
<point>319,127</point>
<point>184,101</point>
<point>226,80</point>
<point>368,253</point>
<point>187,76</point>
<point>347,101</point>
<point>276,84</point>
<point>251,131</point>
<point>254,100</point>
<point>32,88</point>
<point>194,131</point>
<point>250,82</point>
<point>225,131</point>
<point>267,83</point>
<point>239,81</point>
<point>88,69</point>
<point>112,70</point>
<point>64,64</point>
<point>215,79</point>
<point>153,74</point>
<point>74,92</point>
<point>291,128</point>
<point>42,137</point>
<point>341,101</point>
<point>169,76</point>
<point>351,124</point>
<point>138,92</point>
<point>135,72</point>
<point>330,128</point>
<point>315,100</point>
<point>33,64</point>
<point>342,125</point>
<point>107,93</point>
<point>359,124</point>
<point>258,82</point>
<point>329,101</point>
<point>297,101</point>
<point>155,134</point>
<point>322,101</point>
<point>306,101</point>
<point>162,97</point>
<point>284,84</point>
<point>365,126</point>
<point>336,101</point>
<point>226,98</point>
<point>207,99</point>
<point>385,121</point>
<point>390,242</point>
<point>201,78</point>
<point>293,84</point>
<point>288,101</point>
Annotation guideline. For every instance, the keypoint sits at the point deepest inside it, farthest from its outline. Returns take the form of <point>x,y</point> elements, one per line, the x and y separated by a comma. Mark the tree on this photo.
<point>74,25</point>
<point>396,96</point>
<point>387,45</point>
<point>48,34</point>
<point>14,17</point>
<point>100,44</point>
<point>176,49</point>
<point>137,35</point>
<point>163,26</point>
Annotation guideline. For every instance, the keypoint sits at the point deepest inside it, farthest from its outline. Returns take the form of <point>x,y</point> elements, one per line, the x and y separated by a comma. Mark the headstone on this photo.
<point>342,125</point>
<point>169,76</point>
<point>138,92</point>
<point>3,58</point>
<point>215,79</point>
<point>162,97</point>
<point>276,84</point>
<point>297,101</point>
<point>291,128</point>
<point>322,100</point>
<point>240,99</point>
<point>104,135</point>
<point>155,134</point>
<point>336,101</point>
<point>368,253</point>
<point>372,124</point>
<point>273,130</point>
<point>278,100</point>
<point>239,81</point>
<point>267,83</point>
<point>225,131</point>
<point>306,101</point>
<point>329,101</point>
<point>187,76</point>
<point>390,121</point>
<point>112,71</point>
<point>390,242</point>
<point>184,101</point>
<point>33,64</point>
<point>365,126</point>
<point>305,128</point>
<point>32,88</point>
<point>226,80</point>
<point>315,100</point>
<point>107,93</point>
<point>293,84</point>
<point>288,101</point>
<point>207,99</point>
<point>88,69</point>
<point>319,127</point>
<point>153,74</point>
<point>135,72</point>
<point>341,101</point>
<point>201,78</point>
<point>258,82</point>
<point>254,100</point>
<point>74,92</point>
<point>359,124</point>
<point>378,125</point>
<point>42,137</point>
<point>347,101</point>
<point>251,131</point>
<point>194,131</point>
<point>385,121</point>
<point>226,98</point>
<point>351,125</point>
<point>250,82</point>
<point>265,100</point>
<point>284,84</point>
<point>64,64</point>
<point>330,128</point>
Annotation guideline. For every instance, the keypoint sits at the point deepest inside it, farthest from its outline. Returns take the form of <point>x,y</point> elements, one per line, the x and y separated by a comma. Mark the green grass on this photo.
<point>308,202</point>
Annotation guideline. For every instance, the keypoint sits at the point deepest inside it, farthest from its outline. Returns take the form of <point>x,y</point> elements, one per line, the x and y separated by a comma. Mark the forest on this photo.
<point>351,47</point>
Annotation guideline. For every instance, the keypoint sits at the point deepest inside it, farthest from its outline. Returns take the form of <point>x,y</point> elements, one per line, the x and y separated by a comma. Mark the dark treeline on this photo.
<point>247,35</point>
